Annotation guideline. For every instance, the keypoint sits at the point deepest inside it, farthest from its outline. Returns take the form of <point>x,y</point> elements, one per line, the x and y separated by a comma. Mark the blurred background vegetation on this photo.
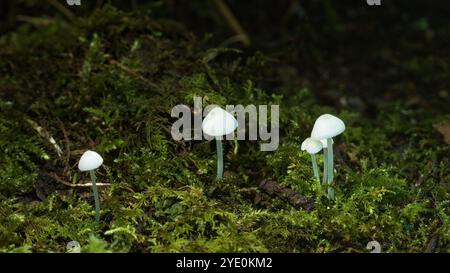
<point>323,43</point>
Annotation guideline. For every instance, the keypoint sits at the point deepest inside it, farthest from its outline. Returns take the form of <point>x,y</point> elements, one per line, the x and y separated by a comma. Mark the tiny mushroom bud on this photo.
<point>218,123</point>
<point>90,161</point>
<point>313,147</point>
<point>326,127</point>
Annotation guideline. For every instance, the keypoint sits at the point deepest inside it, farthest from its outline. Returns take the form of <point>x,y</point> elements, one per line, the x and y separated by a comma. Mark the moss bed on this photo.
<point>108,82</point>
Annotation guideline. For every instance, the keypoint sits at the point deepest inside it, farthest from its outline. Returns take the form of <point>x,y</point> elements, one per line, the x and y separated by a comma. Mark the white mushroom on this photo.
<point>313,147</point>
<point>90,161</point>
<point>218,123</point>
<point>326,127</point>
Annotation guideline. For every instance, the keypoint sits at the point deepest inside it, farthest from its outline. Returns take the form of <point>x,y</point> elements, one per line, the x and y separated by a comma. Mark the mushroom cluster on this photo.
<point>325,128</point>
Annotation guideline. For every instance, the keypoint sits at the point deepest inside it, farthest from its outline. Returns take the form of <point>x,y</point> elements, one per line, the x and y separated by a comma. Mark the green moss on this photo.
<point>21,153</point>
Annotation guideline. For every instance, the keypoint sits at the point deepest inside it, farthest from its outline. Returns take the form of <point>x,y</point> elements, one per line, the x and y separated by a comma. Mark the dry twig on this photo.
<point>63,9</point>
<point>132,73</point>
<point>57,178</point>
<point>45,134</point>
<point>37,21</point>
<point>232,22</point>
<point>294,198</point>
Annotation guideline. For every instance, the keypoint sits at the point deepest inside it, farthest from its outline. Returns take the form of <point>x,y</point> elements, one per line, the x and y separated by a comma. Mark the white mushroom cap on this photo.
<point>219,122</point>
<point>89,161</point>
<point>324,143</point>
<point>311,146</point>
<point>327,126</point>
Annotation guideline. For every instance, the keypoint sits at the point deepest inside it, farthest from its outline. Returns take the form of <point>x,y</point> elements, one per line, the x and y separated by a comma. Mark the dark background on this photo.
<point>354,55</point>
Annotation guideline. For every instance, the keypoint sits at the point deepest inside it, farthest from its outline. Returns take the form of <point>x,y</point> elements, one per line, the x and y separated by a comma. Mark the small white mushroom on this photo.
<point>312,147</point>
<point>90,161</point>
<point>218,123</point>
<point>326,127</point>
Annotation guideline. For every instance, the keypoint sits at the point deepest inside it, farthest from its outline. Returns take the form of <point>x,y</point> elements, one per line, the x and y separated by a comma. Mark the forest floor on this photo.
<point>109,80</point>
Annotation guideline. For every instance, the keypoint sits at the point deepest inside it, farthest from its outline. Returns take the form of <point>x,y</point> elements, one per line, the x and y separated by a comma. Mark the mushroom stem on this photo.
<point>330,168</point>
<point>219,157</point>
<point>325,169</point>
<point>96,199</point>
<point>315,168</point>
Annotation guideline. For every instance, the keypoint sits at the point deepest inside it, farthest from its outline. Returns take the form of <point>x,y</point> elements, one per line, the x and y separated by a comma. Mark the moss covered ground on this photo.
<point>107,81</point>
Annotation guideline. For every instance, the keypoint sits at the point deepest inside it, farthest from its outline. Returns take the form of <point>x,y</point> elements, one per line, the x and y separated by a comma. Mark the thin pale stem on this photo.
<point>330,168</point>
<point>219,158</point>
<point>315,168</point>
<point>325,169</point>
<point>96,199</point>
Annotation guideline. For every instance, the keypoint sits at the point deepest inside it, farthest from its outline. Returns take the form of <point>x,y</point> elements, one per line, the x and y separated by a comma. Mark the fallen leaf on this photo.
<point>444,129</point>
